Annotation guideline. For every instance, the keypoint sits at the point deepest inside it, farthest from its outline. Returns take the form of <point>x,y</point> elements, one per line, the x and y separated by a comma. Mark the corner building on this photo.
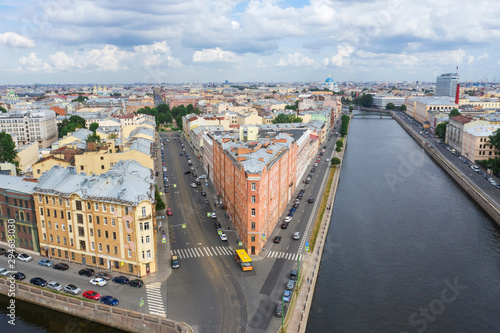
<point>255,178</point>
<point>106,221</point>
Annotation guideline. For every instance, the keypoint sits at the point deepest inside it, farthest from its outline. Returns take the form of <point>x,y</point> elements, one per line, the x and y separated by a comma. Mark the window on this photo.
<point>63,227</point>
<point>143,255</point>
<point>48,212</point>
<point>70,228</point>
<point>146,226</point>
<point>55,213</point>
<point>102,166</point>
<point>92,246</point>
<point>90,218</point>
<point>73,255</point>
<point>40,198</point>
<point>147,239</point>
<point>46,199</point>
<point>129,254</point>
<point>89,206</point>
<point>112,208</point>
<point>64,240</point>
<point>57,237</point>
<point>114,235</point>
<point>50,225</point>
<point>57,226</point>
<point>253,198</point>
<point>67,205</point>
<point>51,238</point>
<point>127,224</point>
<point>142,239</point>
<point>79,218</point>
<point>116,250</point>
<point>253,211</point>
<point>148,254</point>
<point>126,210</point>
<point>81,167</point>
<point>53,201</point>
<point>78,204</point>
<point>41,211</point>
<point>100,247</point>
<point>253,186</point>
<point>104,207</point>
<point>81,233</point>
<point>141,226</point>
<point>98,233</point>
<point>96,206</point>
<point>60,201</point>
<point>106,234</point>
<point>253,225</point>
<point>27,216</point>
<point>59,253</point>
<point>252,238</point>
<point>71,243</point>
<point>105,221</point>
<point>97,220</point>
<point>44,236</point>
<point>113,222</point>
<point>53,252</point>
<point>107,248</point>
<point>62,214</point>
<point>69,215</point>
<point>91,232</point>
<point>143,211</point>
<point>128,238</point>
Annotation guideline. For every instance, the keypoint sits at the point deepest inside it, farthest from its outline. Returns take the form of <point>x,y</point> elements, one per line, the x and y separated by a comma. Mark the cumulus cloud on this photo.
<point>296,60</point>
<point>34,64</point>
<point>342,57</point>
<point>215,55</point>
<point>15,40</point>
<point>157,53</point>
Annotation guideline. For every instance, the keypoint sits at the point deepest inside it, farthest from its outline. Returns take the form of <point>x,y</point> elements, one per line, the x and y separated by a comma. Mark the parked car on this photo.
<point>169,212</point>
<point>203,193</point>
<point>217,225</point>
<point>293,210</point>
<point>187,171</point>
<point>213,215</point>
<point>109,300</point>
<point>223,237</point>
<point>90,294</point>
<point>136,283</point>
<point>86,271</point>
<point>13,254</point>
<point>290,285</point>
<point>284,225</point>
<point>279,310</point>
<point>288,219</point>
<point>19,276</point>
<point>24,257</point>
<point>46,262</point>
<point>98,282</point>
<point>61,266</point>
<point>193,185</point>
<point>120,279</point>
<point>38,281</point>
<point>54,285</point>
<point>72,289</point>
<point>287,296</point>
<point>2,250</point>
<point>296,205</point>
<point>277,239</point>
<point>293,274</point>
<point>5,272</point>
<point>104,275</point>
<point>206,201</point>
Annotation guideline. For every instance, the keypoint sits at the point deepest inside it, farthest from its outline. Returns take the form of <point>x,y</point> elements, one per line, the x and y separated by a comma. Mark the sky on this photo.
<point>156,41</point>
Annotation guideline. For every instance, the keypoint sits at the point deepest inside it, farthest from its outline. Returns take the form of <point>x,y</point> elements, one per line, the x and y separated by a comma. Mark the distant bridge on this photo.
<point>374,112</point>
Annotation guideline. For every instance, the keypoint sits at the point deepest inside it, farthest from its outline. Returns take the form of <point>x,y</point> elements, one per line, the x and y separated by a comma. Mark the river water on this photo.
<point>407,249</point>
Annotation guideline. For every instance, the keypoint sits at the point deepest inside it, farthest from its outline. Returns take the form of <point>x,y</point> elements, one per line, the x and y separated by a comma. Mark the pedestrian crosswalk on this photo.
<point>206,251</point>
<point>284,255</point>
<point>155,300</point>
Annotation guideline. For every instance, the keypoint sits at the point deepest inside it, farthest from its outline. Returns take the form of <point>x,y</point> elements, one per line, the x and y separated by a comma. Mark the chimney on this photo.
<point>457,94</point>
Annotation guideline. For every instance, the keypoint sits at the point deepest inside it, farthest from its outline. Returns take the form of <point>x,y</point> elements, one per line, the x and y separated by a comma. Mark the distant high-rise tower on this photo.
<point>446,84</point>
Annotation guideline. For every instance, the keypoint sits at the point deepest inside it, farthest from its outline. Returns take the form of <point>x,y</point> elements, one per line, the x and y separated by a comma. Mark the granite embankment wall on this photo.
<point>126,320</point>
<point>489,206</point>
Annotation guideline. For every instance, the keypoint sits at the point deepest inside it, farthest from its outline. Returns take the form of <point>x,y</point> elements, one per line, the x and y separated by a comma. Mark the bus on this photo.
<point>244,260</point>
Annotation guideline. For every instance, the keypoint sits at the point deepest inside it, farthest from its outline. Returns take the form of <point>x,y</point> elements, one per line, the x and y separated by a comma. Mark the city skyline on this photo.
<point>61,41</point>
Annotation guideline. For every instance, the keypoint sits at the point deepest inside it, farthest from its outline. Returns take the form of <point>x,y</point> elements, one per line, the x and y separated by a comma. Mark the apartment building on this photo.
<point>418,107</point>
<point>456,127</point>
<point>255,177</point>
<point>31,126</point>
<point>475,142</point>
<point>16,205</point>
<point>106,221</point>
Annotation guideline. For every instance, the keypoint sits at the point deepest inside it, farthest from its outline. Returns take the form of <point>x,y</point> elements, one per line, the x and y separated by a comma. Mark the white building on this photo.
<point>31,126</point>
<point>381,101</point>
<point>446,84</point>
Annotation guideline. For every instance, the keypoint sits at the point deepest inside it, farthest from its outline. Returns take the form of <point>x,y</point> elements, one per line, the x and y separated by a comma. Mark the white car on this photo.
<point>288,219</point>
<point>55,285</point>
<point>223,237</point>
<point>98,282</point>
<point>4,272</point>
<point>24,257</point>
<point>213,215</point>
<point>193,185</point>
<point>315,164</point>
<point>296,235</point>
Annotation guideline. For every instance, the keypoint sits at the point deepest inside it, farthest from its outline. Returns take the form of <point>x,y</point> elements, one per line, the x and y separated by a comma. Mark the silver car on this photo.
<point>290,285</point>
<point>72,289</point>
<point>296,235</point>
<point>54,285</point>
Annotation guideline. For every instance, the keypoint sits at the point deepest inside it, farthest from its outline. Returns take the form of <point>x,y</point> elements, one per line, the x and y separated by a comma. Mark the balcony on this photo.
<point>147,217</point>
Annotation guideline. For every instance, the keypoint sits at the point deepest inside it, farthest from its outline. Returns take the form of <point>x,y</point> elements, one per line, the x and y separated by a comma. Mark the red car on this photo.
<point>169,212</point>
<point>92,295</point>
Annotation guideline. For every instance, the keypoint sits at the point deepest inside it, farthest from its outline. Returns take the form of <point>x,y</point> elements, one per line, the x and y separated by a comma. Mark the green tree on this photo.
<point>8,153</point>
<point>286,118</point>
<point>351,108</point>
<point>402,108</point>
<point>441,130</point>
<point>339,143</point>
<point>93,138</point>
<point>3,110</point>
<point>160,205</point>
<point>454,113</point>
<point>190,109</point>
<point>77,120</point>
<point>390,106</point>
<point>366,100</point>
<point>494,140</point>
<point>338,149</point>
<point>93,127</point>
<point>345,125</point>
<point>113,136</point>
<point>80,99</point>
<point>335,161</point>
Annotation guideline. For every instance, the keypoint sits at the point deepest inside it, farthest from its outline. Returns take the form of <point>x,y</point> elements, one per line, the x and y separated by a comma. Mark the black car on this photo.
<point>206,201</point>
<point>296,205</point>
<point>293,274</point>
<point>37,281</point>
<point>7,253</point>
<point>19,276</point>
<point>284,225</point>
<point>180,154</point>
<point>187,171</point>
<point>61,267</point>
<point>277,239</point>
<point>313,169</point>
<point>311,200</point>
<point>203,193</point>
<point>2,250</point>
<point>120,279</point>
<point>217,225</point>
<point>86,271</point>
<point>136,283</point>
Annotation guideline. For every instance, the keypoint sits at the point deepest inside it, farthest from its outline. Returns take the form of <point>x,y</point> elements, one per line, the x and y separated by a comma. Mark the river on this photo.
<point>407,250</point>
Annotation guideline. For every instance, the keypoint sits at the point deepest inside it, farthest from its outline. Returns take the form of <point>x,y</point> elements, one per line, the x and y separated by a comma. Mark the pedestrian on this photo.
<point>307,280</point>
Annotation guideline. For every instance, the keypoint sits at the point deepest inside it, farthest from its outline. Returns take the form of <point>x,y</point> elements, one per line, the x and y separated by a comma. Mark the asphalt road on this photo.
<point>483,184</point>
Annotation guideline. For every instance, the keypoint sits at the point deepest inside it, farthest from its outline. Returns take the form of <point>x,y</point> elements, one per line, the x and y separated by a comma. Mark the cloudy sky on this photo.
<point>125,41</point>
